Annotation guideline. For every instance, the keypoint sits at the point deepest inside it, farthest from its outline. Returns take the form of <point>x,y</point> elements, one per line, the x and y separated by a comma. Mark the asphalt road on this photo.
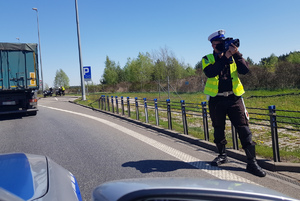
<point>97,148</point>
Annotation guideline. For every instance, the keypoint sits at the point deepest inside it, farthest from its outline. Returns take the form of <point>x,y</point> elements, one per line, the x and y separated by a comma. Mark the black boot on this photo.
<point>222,158</point>
<point>252,166</point>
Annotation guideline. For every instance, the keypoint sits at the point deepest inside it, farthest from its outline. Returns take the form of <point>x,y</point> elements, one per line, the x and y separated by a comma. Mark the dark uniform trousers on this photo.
<point>219,107</point>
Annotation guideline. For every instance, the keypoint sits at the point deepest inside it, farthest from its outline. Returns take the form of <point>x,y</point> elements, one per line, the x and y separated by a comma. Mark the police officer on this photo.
<point>62,90</point>
<point>224,90</point>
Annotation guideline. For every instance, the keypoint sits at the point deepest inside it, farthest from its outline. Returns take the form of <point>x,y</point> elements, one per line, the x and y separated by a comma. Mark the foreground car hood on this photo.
<point>24,175</point>
<point>35,177</point>
<point>183,189</point>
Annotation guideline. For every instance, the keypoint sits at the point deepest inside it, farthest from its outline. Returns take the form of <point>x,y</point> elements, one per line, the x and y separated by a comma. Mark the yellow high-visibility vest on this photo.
<point>212,84</point>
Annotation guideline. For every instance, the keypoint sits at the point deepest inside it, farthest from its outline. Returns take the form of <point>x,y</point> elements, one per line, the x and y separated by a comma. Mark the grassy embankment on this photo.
<point>289,140</point>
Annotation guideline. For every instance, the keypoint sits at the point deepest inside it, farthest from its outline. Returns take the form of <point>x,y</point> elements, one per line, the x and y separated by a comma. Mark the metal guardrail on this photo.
<point>193,109</point>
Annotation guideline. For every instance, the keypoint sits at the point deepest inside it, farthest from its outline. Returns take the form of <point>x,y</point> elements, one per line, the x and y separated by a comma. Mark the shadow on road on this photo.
<point>147,166</point>
<point>11,117</point>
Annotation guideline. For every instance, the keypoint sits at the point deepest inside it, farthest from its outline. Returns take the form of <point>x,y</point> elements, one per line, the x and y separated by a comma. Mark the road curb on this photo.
<point>236,154</point>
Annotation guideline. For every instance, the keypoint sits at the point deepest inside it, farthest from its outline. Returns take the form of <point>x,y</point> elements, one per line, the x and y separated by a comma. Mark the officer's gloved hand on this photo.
<point>231,51</point>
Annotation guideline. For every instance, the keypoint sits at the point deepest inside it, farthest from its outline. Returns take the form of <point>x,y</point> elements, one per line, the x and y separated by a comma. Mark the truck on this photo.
<point>19,78</point>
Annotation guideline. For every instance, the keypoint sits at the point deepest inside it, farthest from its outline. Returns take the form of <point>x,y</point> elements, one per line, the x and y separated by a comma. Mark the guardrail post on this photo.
<point>273,123</point>
<point>137,108</point>
<point>169,114</point>
<point>117,105</point>
<point>108,109</point>
<point>104,103</point>
<point>112,104</point>
<point>99,102</point>
<point>234,137</point>
<point>122,105</point>
<point>185,126</point>
<point>156,112</point>
<point>146,110</point>
<point>128,106</point>
<point>205,122</point>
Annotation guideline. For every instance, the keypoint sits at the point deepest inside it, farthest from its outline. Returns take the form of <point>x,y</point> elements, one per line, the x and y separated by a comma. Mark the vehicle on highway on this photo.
<point>48,92</point>
<point>19,78</point>
<point>59,92</point>
<point>36,177</point>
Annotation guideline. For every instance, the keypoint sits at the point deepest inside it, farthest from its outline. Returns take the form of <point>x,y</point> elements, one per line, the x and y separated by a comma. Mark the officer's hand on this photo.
<point>231,51</point>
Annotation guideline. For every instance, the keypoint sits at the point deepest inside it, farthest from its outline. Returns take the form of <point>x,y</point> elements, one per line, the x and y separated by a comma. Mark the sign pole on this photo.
<point>87,87</point>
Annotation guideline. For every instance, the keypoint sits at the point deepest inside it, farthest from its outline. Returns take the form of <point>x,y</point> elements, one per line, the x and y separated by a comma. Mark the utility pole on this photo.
<point>79,50</point>
<point>37,17</point>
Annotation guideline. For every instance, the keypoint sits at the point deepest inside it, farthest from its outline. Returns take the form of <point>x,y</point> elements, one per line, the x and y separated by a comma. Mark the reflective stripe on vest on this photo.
<point>212,84</point>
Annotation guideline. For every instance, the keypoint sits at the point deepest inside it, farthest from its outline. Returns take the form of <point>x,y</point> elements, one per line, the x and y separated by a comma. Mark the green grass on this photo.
<point>289,149</point>
<point>289,102</point>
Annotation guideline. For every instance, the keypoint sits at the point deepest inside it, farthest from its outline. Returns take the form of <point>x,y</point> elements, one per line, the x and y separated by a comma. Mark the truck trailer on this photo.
<point>19,78</point>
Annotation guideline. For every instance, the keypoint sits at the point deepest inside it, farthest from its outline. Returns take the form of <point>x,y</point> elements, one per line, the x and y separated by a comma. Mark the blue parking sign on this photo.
<point>87,73</point>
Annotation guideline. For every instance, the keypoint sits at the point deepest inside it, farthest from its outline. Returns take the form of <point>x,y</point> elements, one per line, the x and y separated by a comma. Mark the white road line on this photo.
<point>214,171</point>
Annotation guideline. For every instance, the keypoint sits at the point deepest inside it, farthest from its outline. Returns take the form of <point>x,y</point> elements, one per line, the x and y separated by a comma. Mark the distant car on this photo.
<point>35,177</point>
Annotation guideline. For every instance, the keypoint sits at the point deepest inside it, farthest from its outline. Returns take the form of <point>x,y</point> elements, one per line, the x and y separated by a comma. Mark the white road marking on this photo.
<point>212,170</point>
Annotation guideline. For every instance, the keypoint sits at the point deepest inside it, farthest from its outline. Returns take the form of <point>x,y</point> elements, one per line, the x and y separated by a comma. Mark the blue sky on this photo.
<point>121,29</point>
